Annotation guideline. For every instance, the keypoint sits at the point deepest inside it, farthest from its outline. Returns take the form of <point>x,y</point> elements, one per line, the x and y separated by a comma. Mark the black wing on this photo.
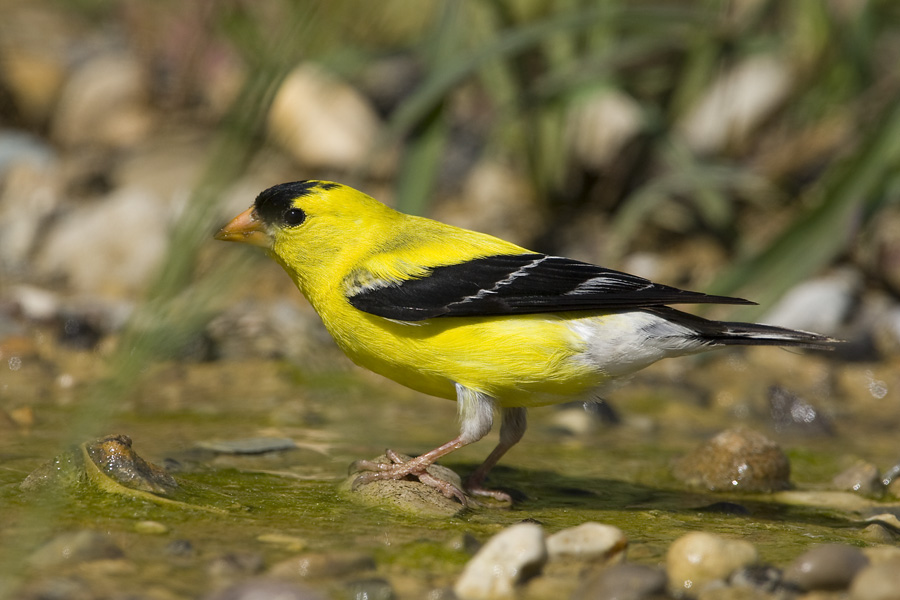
<point>520,284</point>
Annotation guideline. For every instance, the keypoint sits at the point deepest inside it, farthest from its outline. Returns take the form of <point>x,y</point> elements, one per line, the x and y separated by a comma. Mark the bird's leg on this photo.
<point>476,412</point>
<point>511,431</point>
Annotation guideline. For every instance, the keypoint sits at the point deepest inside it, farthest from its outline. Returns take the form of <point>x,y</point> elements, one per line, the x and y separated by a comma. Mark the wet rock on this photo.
<point>623,582</point>
<point>257,445</point>
<point>315,566</point>
<point>877,582</point>
<point>765,578</point>
<point>406,496</point>
<point>588,542</point>
<point>370,589</point>
<point>96,258</point>
<point>321,121</point>
<point>104,102</point>
<point>505,561</point>
<point>698,559</point>
<point>792,414</point>
<point>862,477</point>
<point>114,456</point>
<point>826,567</point>
<point>257,589</point>
<point>75,547</point>
<point>736,459</point>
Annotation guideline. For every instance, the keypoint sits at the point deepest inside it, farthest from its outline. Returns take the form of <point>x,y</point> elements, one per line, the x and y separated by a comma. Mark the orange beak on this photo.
<point>247,229</point>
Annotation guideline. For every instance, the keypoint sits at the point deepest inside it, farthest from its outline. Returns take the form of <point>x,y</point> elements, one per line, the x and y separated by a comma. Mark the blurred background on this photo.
<point>738,147</point>
<point>743,147</point>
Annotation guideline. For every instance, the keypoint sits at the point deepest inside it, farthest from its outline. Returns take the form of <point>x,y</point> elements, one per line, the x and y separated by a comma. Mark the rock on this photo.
<point>116,459</point>
<point>151,527</point>
<point>599,126</point>
<point>29,196</point>
<point>104,102</point>
<point>588,542</point>
<point>821,305</point>
<point>321,121</point>
<point>404,496</point>
<point>494,199</point>
<point>75,547</point>
<point>877,582</point>
<point>314,566</point>
<point>862,477</point>
<point>235,565</point>
<point>623,582</point>
<point>826,567</point>
<point>505,561</point>
<point>736,459</point>
<point>697,559</point>
<point>765,578</point>
<point>370,589</point>
<point>272,589</point>
<point>736,103</point>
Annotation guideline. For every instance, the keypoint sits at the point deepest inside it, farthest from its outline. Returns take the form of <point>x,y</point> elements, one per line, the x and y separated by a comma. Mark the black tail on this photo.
<point>729,333</point>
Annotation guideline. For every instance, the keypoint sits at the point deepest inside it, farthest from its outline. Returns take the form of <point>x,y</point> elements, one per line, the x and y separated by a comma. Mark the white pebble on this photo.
<point>505,560</point>
<point>697,559</point>
<point>588,541</point>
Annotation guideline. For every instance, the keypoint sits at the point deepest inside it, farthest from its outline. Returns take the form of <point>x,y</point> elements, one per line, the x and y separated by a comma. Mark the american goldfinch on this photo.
<point>469,317</point>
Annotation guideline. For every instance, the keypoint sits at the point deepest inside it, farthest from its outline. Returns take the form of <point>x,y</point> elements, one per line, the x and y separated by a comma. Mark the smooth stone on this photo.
<point>151,527</point>
<point>506,560</point>
<point>408,497</point>
<point>623,582</point>
<point>697,559</point>
<point>827,567</point>
<point>235,565</point>
<point>736,459</point>
<point>264,588</point>
<point>877,582</point>
<point>115,457</point>
<point>322,121</point>
<point>862,477</point>
<point>588,541</point>
<point>75,547</point>
<point>332,564</point>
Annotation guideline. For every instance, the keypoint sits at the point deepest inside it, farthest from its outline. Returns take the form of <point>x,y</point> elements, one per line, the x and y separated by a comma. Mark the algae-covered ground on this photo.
<point>236,516</point>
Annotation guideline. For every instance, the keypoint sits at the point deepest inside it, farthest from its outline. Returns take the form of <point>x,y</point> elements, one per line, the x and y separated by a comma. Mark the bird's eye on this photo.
<point>294,216</point>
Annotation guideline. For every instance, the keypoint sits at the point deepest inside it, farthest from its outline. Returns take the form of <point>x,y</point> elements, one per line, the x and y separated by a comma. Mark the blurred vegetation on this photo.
<point>782,169</point>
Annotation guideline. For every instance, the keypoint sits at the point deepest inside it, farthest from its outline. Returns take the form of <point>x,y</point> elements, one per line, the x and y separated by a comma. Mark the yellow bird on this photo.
<point>469,317</point>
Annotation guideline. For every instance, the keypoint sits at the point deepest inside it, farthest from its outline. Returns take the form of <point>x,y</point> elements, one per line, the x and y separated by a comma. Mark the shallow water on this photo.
<point>618,475</point>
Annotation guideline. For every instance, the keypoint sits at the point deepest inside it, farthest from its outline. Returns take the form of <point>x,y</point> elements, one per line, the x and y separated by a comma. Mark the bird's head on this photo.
<point>305,224</point>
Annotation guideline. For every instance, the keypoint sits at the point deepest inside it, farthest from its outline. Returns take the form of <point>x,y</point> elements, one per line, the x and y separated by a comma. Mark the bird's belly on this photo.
<point>529,360</point>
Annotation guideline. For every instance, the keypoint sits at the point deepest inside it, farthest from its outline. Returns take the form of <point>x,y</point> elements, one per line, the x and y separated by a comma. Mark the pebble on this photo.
<point>75,547</point>
<point>95,258</point>
<point>104,101</point>
<point>877,582</point>
<point>408,497</point>
<point>699,558</point>
<point>736,459</point>
<point>819,305</point>
<point>264,588</point>
<point>863,477</point>
<point>235,565</point>
<point>826,567</point>
<point>333,564</point>
<point>589,542</point>
<point>322,121</point>
<point>151,527</point>
<point>623,582</point>
<point>506,560</point>
<point>116,459</point>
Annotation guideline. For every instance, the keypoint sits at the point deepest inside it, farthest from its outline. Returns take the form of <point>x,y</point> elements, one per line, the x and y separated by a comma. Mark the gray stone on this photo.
<point>623,582</point>
<point>826,567</point>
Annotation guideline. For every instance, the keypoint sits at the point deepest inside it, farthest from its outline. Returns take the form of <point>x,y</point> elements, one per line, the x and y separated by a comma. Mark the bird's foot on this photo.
<point>401,467</point>
<point>486,493</point>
